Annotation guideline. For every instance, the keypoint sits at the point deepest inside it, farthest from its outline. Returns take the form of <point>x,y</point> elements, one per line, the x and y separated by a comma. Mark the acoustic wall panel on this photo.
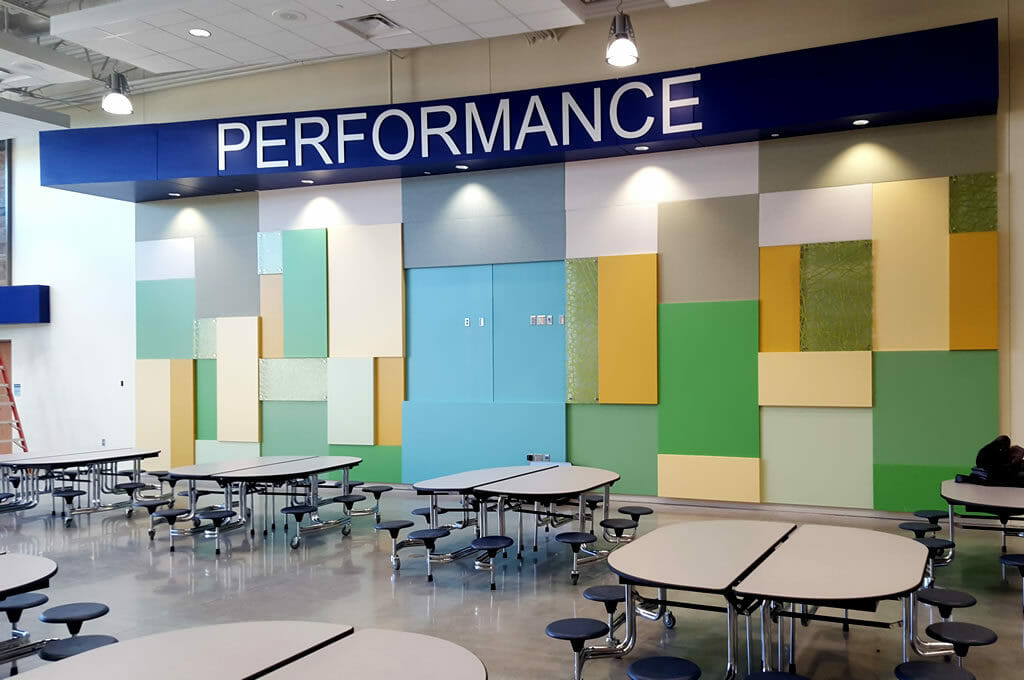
<point>973,203</point>
<point>227,283</point>
<point>879,154</point>
<point>361,259</point>
<point>153,409</point>
<point>507,215</point>
<point>304,292</point>
<point>218,452</point>
<point>974,290</point>
<point>711,478</point>
<point>224,215</point>
<point>815,215</point>
<point>627,342</point>
<point>389,393</point>
<point>581,330</point>
<point>164,315</point>
<point>529,359</point>
<point>907,488</point>
<point>707,379</point>
<point>238,379</point>
<point>449,351</point>
<point>814,379</point>
<point>319,207</point>
<point>272,315</point>
<point>204,339</point>
<point>350,401</point>
<point>611,230</point>
<point>623,439</point>
<point>294,428</point>
<point>172,258</point>
<point>817,456</point>
<point>911,265</point>
<point>268,245</point>
<point>182,412</point>
<point>206,399</point>
<point>779,286</point>
<point>442,439</point>
<point>708,250</point>
<point>836,296</point>
<point>380,463</point>
<point>293,379</point>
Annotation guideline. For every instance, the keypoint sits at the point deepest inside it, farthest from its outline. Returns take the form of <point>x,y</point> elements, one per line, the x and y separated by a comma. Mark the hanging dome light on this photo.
<point>621,49</point>
<point>116,101</point>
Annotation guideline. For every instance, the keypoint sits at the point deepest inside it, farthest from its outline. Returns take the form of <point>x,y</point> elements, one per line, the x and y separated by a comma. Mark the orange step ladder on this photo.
<point>7,399</point>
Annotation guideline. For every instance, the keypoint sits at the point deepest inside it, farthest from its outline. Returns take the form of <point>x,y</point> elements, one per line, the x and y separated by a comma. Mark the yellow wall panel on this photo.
<point>714,478</point>
<point>814,379</point>
<point>153,409</point>
<point>389,392</point>
<point>627,331</point>
<point>974,290</point>
<point>779,285</point>
<point>182,412</point>
<point>238,379</point>
<point>272,315</point>
<point>910,227</point>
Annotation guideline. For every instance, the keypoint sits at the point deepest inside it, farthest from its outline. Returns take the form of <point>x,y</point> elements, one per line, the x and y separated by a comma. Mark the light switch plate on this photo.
<point>466,322</point>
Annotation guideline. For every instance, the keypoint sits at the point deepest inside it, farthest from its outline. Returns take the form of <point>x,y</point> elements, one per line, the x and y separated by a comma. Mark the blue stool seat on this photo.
<point>129,487</point>
<point>14,605</point>
<point>348,500</point>
<point>490,543</point>
<point>425,512</point>
<point>298,509</point>
<point>394,526</point>
<point>68,493</point>
<point>920,529</point>
<point>932,516</point>
<point>199,493</point>
<point>74,615</point>
<point>575,538</point>
<point>611,594</point>
<point>6,496</point>
<point>215,515</point>
<point>618,525</point>
<point>57,650</point>
<point>429,534</point>
<point>376,490</point>
<point>576,630</point>
<point>171,514</point>
<point>958,633</point>
<point>635,512</point>
<point>927,670</point>
<point>151,504</point>
<point>1012,560</point>
<point>663,668</point>
<point>936,545</point>
<point>945,600</point>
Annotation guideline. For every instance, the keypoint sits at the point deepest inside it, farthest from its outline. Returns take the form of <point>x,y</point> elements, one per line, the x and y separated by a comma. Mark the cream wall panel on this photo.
<point>238,379</point>
<point>169,258</point>
<point>366,291</point>
<point>815,215</point>
<point>612,230</point>
<point>215,452</point>
<point>911,265</point>
<point>814,378</point>
<point>153,409</point>
<point>350,401</point>
<point>713,478</point>
<point>320,207</point>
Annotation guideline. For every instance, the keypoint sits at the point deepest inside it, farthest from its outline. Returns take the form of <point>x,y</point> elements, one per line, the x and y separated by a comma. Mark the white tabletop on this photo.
<point>231,650</point>
<point>17,458</point>
<point>291,469</point>
<point>562,480</point>
<point>386,655</point>
<point>465,481</point>
<point>87,458</point>
<point>18,571</point>
<point>1003,497</point>
<point>209,470</point>
<point>701,556</point>
<point>820,563</point>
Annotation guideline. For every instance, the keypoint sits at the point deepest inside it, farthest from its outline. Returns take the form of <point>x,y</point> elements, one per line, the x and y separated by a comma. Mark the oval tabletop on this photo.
<point>21,573</point>
<point>1009,498</point>
<point>209,470</point>
<point>560,480</point>
<point>290,469</point>
<point>229,650</point>
<point>386,655</point>
<point>819,563</point>
<point>465,481</point>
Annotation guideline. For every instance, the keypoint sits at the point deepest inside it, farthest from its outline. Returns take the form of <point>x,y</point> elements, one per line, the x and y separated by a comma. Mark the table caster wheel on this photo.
<point>575,578</point>
<point>669,620</point>
<point>152,534</point>
<point>346,530</point>
<point>67,522</point>
<point>294,543</point>
<point>196,523</point>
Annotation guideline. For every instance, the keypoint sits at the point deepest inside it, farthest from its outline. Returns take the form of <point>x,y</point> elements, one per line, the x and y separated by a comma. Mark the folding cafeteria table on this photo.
<point>1002,502</point>
<point>22,574</point>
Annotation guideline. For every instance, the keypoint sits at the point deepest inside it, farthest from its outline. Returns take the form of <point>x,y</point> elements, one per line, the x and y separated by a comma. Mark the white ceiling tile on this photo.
<point>159,40</point>
<point>124,27</point>
<point>245,24</point>
<point>305,15</point>
<point>167,18</point>
<point>327,35</point>
<point>244,51</point>
<point>208,9</point>
<point>336,10</point>
<point>283,42</point>
<point>529,6</point>
<point>449,35</point>
<point>401,42</point>
<point>500,27</point>
<point>419,19</point>
<point>352,49</point>
<point>307,55</point>
<point>555,18</point>
<point>119,48</point>
<point>200,57</point>
<point>83,36</point>
<point>388,5</point>
<point>161,63</point>
<point>216,33</point>
<point>473,11</point>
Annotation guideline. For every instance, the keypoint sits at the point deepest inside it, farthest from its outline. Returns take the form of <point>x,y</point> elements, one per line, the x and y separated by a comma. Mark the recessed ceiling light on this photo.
<point>286,14</point>
<point>199,33</point>
<point>861,121</point>
<point>237,189</point>
<point>775,134</point>
<point>642,147</point>
<point>462,167</point>
<point>174,194</point>
<point>306,181</point>
<point>425,172</point>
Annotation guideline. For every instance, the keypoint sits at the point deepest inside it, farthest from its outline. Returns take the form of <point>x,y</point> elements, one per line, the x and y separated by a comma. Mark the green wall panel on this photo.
<point>934,408</point>
<point>206,399</point>
<point>380,463</point>
<point>835,296</point>
<point>906,488</point>
<point>304,255</point>
<point>972,203</point>
<point>707,377</point>
<point>294,428</point>
<point>581,330</point>
<point>616,437</point>
<point>164,315</point>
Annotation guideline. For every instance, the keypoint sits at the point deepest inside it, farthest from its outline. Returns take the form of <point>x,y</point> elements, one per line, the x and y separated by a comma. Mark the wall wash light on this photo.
<point>621,50</point>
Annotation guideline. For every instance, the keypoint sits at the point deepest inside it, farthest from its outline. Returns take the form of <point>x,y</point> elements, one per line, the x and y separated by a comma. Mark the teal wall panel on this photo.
<point>304,256</point>
<point>165,313</point>
<point>206,398</point>
<point>380,463</point>
<point>618,437</point>
<point>294,428</point>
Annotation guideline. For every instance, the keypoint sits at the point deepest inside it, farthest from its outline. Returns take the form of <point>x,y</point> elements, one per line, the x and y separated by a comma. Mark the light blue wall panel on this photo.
<point>509,215</point>
<point>442,439</point>
<point>529,361</point>
<point>446,360</point>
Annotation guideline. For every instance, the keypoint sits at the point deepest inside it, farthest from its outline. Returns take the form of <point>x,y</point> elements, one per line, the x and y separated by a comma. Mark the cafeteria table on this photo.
<point>1002,502</point>
<point>22,574</point>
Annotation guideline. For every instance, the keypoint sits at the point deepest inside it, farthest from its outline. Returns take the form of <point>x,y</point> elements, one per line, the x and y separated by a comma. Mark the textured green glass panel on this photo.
<point>581,330</point>
<point>204,339</point>
<point>972,203</point>
<point>305,292</point>
<point>206,399</point>
<point>835,296</point>
<point>621,438</point>
<point>295,428</point>
<point>164,312</point>
<point>269,252</point>
<point>380,463</point>
<point>906,488</point>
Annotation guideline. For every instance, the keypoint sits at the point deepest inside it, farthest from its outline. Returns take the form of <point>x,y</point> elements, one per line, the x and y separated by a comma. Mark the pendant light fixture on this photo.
<point>621,50</point>
<point>116,101</point>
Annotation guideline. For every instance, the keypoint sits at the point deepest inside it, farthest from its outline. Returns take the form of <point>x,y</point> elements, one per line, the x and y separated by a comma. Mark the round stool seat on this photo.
<point>593,501</point>
<point>76,612</point>
<point>199,493</point>
<point>398,524</point>
<point>932,516</point>
<point>958,633</point>
<point>491,543</point>
<point>6,496</point>
<point>349,499</point>
<point>62,649</point>
<point>129,486</point>
<point>428,534</point>
<point>215,515</point>
<point>605,593</point>
<point>171,513</point>
<point>68,493</point>
<point>919,528</point>
<point>150,502</point>
<point>19,603</point>
<point>1012,560</point>
<point>636,511</point>
<point>575,537</point>
<point>945,600</point>
<point>576,629</point>
<point>927,670</point>
<point>936,545</point>
<point>297,509</point>
<point>618,525</point>
<point>425,512</point>
<point>377,489</point>
<point>663,668</point>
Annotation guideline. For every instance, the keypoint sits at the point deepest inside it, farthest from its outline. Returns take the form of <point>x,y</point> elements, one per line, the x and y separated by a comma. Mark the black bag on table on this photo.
<point>998,464</point>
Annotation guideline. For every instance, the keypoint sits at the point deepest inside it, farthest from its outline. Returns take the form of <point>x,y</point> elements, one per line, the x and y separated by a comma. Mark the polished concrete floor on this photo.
<point>332,578</point>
